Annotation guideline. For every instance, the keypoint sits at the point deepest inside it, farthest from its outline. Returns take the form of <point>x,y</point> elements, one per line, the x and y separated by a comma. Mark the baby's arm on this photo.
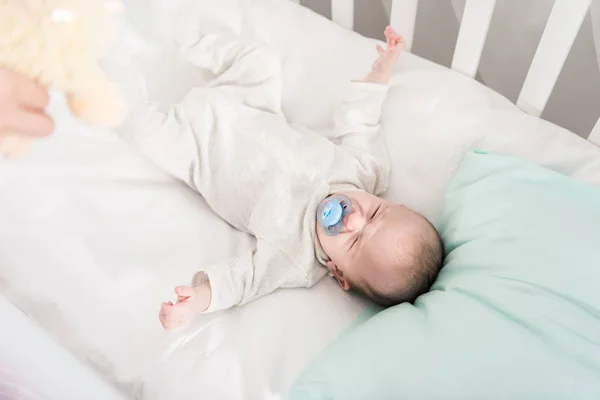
<point>382,68</point>
<point>257,272</point>
<point>357,118</point>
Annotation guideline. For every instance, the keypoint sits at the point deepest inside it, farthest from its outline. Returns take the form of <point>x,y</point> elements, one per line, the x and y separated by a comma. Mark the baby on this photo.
<point>311,201</point>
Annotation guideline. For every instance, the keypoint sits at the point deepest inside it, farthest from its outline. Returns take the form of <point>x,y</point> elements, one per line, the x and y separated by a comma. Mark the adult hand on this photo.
<point>22,104</point>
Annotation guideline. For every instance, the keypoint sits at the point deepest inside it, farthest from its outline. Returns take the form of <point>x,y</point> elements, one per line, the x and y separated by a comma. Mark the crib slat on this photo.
<point>342,13</point>
<point>471,36</point>
<point>403,18</point>
<point>563,25</point>
<point>595,135</point>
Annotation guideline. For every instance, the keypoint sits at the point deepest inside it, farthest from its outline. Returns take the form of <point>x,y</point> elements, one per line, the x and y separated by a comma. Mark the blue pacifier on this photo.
<point>331,211</point>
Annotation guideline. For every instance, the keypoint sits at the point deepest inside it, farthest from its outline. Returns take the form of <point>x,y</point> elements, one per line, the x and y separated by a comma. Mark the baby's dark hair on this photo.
<point>417,265</point>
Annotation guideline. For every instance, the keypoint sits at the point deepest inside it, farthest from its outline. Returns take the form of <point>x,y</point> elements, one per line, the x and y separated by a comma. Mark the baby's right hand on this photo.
<point>190,301</point>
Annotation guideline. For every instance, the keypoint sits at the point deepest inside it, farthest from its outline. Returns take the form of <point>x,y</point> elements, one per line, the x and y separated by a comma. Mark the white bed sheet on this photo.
<point>93,238</point>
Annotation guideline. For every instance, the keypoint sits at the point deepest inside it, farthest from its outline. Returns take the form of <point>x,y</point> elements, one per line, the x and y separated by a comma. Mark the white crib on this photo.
<point>561,30</point>
<point>59,376</point>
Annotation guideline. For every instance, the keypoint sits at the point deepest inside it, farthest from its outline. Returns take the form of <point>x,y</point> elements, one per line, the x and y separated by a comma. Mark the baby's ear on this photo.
<point>339,275</point>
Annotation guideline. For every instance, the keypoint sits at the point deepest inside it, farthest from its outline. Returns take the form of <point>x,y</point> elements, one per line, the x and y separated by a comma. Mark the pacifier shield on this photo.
<point>331,211</point>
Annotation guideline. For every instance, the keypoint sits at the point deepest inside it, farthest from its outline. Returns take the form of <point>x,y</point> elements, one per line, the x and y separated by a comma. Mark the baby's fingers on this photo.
<point>184,291</point>
<point>388,38</point>
<point>169,316</point>
<point>25,121</point>
<point>165,310</point>
<point>163,314</point>
<point>380,50</point>
<point>390,33</point>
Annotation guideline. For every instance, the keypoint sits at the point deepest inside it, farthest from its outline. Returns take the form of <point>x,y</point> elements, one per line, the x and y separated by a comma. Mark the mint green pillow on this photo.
<point>514,313</point>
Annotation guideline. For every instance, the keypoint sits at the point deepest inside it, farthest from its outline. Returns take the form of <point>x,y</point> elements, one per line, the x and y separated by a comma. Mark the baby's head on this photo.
<point>386,251</point>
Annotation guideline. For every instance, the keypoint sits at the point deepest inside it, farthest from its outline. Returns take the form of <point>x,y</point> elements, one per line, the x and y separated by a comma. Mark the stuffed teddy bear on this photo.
<point>60,43</point>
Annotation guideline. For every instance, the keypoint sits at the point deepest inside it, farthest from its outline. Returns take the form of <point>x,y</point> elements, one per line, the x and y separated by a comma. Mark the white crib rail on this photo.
<point>561,30</point>
<point>403,18</point>
<point>342,13</point>
<point>471,36</point>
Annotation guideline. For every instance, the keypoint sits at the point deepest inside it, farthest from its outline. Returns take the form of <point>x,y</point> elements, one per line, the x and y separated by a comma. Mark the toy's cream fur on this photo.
<point>59,43</point>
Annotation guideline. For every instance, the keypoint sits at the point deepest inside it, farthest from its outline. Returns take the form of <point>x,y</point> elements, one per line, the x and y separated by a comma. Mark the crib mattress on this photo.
<point>93,237</point>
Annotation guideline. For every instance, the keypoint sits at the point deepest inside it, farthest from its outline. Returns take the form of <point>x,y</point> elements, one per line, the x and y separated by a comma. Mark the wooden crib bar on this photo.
<point>561,30</point>
<point>403,18</point>
<point>471,36</point>
<point>342,13</point>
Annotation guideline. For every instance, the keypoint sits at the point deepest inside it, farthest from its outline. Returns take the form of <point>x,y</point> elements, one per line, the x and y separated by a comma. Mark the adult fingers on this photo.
<point>18,89</point>
<point>29,94</point>
<point>26,122</point>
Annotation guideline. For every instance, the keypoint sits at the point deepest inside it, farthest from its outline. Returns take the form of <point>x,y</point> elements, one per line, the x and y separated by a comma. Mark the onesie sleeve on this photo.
<point>357,128</point>
<point>257,272</point>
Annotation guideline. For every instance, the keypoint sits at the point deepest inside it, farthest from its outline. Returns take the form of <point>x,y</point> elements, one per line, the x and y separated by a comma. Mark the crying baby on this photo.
<point>230,141</point>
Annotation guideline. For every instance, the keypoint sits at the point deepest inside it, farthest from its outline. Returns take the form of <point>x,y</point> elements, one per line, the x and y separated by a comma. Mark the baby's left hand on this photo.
<point>395,46</point>
<point>382,67</point>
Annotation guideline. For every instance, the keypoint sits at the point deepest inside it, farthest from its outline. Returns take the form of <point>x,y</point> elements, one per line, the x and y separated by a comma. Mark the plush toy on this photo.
<point>59,43</point>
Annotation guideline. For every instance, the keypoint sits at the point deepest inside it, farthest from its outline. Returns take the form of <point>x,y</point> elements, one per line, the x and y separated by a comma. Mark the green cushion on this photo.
<point>514,313</point>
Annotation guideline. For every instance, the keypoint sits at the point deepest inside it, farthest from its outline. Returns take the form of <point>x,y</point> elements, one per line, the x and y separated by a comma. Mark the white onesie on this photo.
<point>230,142</point>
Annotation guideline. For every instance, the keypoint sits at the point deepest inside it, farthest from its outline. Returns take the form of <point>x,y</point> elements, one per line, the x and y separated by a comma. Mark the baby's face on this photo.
<point>370,232</point>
